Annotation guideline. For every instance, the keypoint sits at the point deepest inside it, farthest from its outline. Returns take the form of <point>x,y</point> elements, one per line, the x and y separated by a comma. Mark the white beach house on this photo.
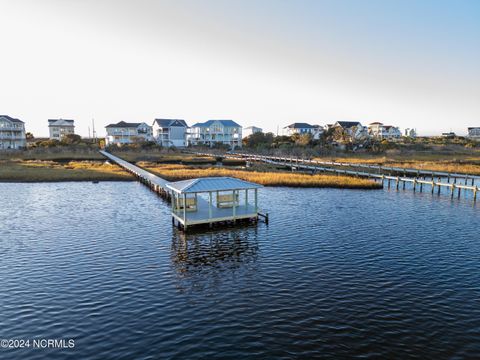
<point>379,131</point>
<point>226,132</point>
<point>303,128</point>
<point>250,130</point>
<point>127,133</point>
<point>59,128</point>
<point>12,133</point>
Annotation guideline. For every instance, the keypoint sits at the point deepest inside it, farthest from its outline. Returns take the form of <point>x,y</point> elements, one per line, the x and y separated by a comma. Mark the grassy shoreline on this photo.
<point>51,171</point>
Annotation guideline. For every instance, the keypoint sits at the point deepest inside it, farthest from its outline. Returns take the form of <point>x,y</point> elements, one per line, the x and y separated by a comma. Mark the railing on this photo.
<point>314,166</point>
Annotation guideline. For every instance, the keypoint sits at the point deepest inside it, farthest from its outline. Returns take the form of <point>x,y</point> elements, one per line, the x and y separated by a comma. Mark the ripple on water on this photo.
<point>337,273</point>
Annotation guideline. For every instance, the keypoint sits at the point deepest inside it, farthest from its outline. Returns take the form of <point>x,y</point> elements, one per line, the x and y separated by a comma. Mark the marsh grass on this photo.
<point>267,178</point>
<point>49,171</point>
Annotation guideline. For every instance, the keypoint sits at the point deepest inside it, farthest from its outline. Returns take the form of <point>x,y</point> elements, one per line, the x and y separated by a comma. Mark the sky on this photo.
<point>267,63</point>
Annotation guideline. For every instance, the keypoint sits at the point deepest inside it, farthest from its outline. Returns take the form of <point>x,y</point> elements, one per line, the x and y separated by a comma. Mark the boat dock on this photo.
<point>203,200</point>
<point>435,180</point>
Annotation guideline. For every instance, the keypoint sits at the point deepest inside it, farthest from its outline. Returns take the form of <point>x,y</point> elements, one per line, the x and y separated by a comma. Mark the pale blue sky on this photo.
<point>264,63</point>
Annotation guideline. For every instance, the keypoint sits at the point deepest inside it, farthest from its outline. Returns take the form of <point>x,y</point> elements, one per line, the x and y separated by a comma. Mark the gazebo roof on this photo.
<point>211,184</point>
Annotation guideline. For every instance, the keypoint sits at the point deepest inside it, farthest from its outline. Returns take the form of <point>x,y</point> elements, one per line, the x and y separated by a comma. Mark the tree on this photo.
<point>70,139</point>
<point>29,136</point>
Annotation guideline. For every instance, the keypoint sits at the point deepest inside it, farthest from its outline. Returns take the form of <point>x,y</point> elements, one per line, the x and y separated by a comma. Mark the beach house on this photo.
<point>59,128</point>
<point>212,132</point>
<point>12,133</point>
<point>303,128</point>
<point>379,131</point>
<point>250,130</point>
<point>127,133</point>
<point>170,132</point>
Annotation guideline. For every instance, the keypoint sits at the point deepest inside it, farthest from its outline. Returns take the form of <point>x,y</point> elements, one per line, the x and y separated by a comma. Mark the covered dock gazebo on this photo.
<point>213,199</point>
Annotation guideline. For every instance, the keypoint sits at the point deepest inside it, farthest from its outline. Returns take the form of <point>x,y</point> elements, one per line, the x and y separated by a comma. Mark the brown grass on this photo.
<point>267,178</point>
<point>46,171</point>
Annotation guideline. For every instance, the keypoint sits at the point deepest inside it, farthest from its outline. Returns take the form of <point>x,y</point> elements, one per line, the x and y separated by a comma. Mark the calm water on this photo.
<point>336,274</point>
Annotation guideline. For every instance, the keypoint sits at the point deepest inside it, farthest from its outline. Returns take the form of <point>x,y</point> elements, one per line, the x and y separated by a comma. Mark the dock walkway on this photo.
<point>438,180</point>
<point>156,183</point>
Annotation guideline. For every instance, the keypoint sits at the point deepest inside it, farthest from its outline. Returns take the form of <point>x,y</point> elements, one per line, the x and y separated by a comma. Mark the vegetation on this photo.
<point>44,171</point>
<point>267,178</point>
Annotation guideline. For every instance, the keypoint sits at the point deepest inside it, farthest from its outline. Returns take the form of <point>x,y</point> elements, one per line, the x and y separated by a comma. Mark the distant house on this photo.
<point>303,128</point>
<point>212,132</point>
<point>379,131</point>
<point>353,128</point>
<point>170,132</point>
<point>12,133</point>
<point>59,128</point>
<point>410,133</point>
<point>449,135</point>
<point>246,132</point>
<point>127,133</point>
<point>474,133</point>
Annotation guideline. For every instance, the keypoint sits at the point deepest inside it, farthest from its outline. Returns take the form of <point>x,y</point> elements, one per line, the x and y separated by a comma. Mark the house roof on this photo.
<point>170,122</point>
<point>11,119</point>
<point>123,124</point>
<point>299,126</point>
<point>348,124</point>
<point>252,127</point>
<point>375,123</point>
<point>210,184</point>
<point>227,123</point>
<point>60,122</point>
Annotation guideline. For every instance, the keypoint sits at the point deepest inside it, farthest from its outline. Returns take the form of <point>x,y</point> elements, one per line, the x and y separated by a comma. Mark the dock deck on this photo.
<point>202,216</point>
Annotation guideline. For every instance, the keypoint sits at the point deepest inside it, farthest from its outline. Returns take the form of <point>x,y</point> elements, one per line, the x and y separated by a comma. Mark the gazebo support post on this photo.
<point>210,208</point>
<point>234,205</point>
<point>185,212</point>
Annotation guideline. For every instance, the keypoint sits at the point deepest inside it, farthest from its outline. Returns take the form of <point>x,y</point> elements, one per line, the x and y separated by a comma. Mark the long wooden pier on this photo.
<point>154,182</point>
<point>421,178</point>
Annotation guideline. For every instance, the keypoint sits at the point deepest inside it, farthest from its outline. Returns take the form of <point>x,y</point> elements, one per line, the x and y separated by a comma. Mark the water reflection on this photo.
<point>202,259</point>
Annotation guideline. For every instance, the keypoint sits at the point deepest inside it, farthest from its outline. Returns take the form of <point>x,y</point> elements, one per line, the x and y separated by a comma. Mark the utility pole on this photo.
<point>93,130</point>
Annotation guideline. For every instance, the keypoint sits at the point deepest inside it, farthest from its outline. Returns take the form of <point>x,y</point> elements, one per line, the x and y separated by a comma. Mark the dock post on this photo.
<point>459,191</point>
<point>433,185</point>
<point>452,190</point>
<point>398,182</point>
<point>414,184</point>
<point>388,184</point>
<point>404,184</point>
<point>421,186</point>
<point>475,194</point>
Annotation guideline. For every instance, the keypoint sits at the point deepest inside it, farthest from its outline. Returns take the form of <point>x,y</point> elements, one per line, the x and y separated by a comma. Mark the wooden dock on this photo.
<point>421,179</point>
<point>188,208</point>
<point>154,182</point>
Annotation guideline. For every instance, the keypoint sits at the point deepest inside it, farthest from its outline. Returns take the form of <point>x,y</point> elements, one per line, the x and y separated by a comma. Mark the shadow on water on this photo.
<point>201,260</point>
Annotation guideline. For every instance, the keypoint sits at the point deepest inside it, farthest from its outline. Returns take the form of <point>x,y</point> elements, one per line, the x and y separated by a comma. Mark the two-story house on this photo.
<point>303,128</point>
<point>250,130</point>
<point>379,131</point>
<point>170,132</point>
<point>58,128</point>
<point>474,133</point>
<point>127,133</point>
<point>12,133</point>
<point>212,132</point>
<point>353,128</point>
